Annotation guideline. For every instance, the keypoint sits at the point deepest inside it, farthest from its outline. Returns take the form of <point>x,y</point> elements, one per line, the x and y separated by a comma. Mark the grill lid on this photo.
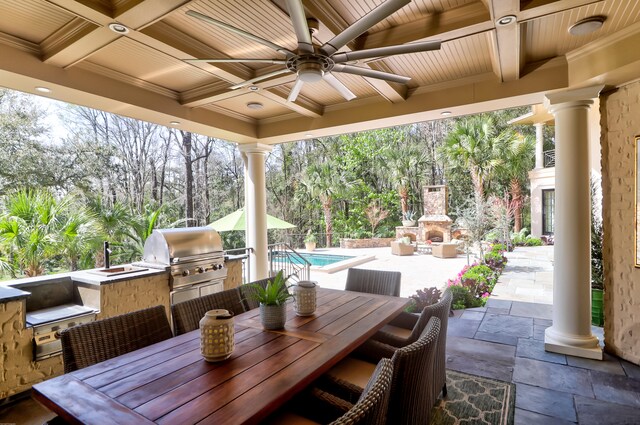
<point>171,246</point>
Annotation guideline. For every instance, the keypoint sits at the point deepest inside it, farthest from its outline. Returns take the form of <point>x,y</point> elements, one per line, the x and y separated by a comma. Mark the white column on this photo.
<point>571,330</point>
<point>256,207</point>
<point>539,145</point>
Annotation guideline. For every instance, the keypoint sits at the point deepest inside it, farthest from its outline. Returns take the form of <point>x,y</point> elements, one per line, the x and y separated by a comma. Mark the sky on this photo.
<point>57,131</point>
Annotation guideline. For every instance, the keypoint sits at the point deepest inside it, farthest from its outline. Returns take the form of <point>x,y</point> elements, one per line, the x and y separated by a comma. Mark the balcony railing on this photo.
<point>549,158</point>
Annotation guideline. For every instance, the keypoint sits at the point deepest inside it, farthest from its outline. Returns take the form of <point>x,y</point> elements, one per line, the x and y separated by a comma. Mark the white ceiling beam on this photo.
<point>78,40</point>
<point>507,41</point>
<point>302,105</point>
<point>454,23</point>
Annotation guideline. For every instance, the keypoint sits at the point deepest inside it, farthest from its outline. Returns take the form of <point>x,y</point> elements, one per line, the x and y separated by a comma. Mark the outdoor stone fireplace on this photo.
<point>435,224</point>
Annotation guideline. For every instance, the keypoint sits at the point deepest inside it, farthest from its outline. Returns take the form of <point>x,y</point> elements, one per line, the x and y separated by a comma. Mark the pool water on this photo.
<point>320,259</point>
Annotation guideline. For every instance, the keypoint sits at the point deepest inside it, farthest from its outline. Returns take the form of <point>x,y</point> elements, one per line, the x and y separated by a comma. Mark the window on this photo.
<point>548,210</point>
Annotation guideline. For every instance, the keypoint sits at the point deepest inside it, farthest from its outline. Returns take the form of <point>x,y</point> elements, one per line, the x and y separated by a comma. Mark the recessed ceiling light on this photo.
<point>587,25</point>
<point>255,105</point>
<point>506,20</point>
<point>43,89</point>
<point>118,28</point>
<point>174,122</point>
<point>254,88</point>
<point>308,135</point>
<point>445,113</point>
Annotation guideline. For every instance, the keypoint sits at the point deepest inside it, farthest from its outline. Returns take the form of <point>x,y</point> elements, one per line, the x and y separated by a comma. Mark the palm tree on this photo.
<point>517,159</point>
<point>80,238</point>
<point>403,164</point>
<point>29,229</point>
<point>472,146</point>
<point>324,182</point>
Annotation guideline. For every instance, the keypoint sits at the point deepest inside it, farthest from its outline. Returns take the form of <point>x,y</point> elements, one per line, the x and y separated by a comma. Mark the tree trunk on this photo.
<point>516,196</point>
<point>188,167</point>
<point>328,222</point>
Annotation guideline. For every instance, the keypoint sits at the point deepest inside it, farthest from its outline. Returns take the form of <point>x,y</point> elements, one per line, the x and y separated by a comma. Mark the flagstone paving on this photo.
<point>505,341</point>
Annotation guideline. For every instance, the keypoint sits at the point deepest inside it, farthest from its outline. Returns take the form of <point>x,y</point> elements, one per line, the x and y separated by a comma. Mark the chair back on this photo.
<point>412,394</point>
<point>187,314</point>
<point>95,342</point>
<point>374,282</point>
<point>246,292</point>
<point>441,310</point>
<point>372,406</point>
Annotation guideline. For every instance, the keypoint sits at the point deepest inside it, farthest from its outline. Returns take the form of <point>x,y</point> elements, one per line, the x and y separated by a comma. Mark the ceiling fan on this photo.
<point>314,63</point>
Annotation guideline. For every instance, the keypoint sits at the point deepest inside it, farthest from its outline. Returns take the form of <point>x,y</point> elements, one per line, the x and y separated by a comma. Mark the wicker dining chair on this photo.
<point>187,314</point>
<point>407,327</point>
<point>374,281</point>
<point>317,406</point>
<point>412,389</point>
<point>95,342</point>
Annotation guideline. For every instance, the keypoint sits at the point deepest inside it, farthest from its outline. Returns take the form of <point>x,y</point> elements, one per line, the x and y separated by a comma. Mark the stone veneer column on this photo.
<point>539,145</point>
<point>571,330</point>
<point>256,208</point>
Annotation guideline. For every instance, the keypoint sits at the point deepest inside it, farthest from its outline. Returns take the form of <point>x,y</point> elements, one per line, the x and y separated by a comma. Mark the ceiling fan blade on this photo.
<point>299,21</point>
<point>240,32</point>
<point>295,90</point>
<point>365,72</point>
<point>386,51</point>
<point>341,88</point>
<point>231,60</point>
<point>260,78</point>
<point>362,25</point>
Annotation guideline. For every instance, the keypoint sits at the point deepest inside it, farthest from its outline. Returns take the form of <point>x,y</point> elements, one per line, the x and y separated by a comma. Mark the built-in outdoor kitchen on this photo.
<point>177,265</point>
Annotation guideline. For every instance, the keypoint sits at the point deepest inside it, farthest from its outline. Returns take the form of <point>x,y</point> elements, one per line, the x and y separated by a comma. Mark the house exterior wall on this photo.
<point>620,109</point>
<point>540,179</point>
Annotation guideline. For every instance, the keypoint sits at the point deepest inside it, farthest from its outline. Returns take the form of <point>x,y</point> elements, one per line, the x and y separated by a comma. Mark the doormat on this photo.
<point>475,400</point>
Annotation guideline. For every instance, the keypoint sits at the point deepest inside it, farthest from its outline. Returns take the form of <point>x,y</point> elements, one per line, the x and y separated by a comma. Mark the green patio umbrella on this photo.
<point>235,221</point>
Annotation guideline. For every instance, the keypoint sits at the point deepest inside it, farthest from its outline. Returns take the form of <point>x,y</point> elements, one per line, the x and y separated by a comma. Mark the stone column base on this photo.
<point>572,345</point>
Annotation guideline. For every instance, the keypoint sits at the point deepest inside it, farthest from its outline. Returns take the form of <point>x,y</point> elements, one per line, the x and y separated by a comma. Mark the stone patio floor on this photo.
<point>505,341</point>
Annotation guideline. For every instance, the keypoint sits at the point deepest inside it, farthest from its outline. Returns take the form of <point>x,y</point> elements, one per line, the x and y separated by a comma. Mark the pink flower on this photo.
<point>485,295</point>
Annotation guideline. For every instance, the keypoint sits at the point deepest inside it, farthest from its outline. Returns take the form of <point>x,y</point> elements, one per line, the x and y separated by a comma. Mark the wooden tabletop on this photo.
<point>170,383</point>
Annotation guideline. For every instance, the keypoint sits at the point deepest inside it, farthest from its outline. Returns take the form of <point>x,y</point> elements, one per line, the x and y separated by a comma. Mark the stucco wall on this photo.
<point>540,178</point>
<point>125,297</point>
<point>620,110</point>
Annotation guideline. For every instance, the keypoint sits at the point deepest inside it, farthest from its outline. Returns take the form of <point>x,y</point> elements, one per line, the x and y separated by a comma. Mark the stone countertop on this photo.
<point>8,293</point>
<point>86,276</point>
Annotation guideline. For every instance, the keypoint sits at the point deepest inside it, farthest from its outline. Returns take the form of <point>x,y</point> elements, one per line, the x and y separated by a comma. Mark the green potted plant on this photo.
<point>272,299</point>
<point>310,241</point>
<point>408,219</point>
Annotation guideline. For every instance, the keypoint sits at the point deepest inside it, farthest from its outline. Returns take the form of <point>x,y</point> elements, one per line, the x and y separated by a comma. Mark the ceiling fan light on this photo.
<point>310,72</point>
<point>255,105</point>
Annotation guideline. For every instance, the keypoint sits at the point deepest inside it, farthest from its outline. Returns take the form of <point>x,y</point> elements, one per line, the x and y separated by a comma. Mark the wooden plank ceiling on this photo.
<point>68,43</point>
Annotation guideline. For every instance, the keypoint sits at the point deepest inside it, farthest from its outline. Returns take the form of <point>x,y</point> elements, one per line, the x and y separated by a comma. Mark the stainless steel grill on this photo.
<point>193,256</point>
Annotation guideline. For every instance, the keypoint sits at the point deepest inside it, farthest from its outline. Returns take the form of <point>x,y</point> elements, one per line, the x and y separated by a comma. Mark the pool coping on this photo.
<point>344,264</point>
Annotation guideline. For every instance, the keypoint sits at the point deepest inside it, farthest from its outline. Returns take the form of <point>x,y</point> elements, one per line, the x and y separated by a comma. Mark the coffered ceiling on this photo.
<point>67,46</point>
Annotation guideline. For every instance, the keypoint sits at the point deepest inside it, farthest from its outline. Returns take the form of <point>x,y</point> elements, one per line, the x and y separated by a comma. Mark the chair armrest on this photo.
<point>372,351</point>
<point>345,390</point>
<point>405,320</point>
<point>390,339</point>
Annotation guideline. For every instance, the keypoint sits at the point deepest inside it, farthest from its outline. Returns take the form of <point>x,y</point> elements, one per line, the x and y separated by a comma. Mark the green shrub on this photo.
<point>532,241</point>
<point>519,238</point>
<point>498,247</point>
<point>495,260</point>
<point>462,298</point>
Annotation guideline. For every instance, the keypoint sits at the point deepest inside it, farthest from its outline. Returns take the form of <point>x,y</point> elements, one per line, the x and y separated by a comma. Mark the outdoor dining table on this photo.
<point>170,383</point>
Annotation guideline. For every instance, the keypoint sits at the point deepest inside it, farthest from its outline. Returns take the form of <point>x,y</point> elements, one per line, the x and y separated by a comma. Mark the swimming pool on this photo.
<point>318,259</point>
